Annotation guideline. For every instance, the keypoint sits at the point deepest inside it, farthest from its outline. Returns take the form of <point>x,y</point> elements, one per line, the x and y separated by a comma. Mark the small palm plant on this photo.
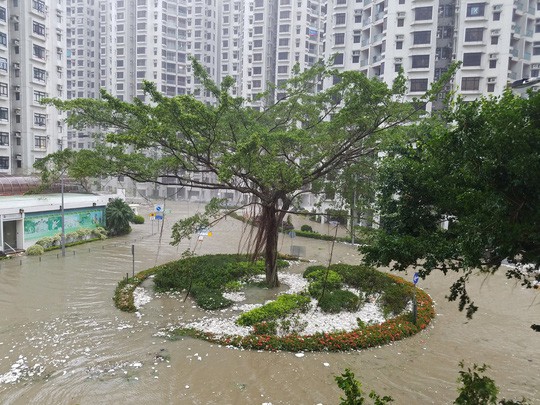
<point>118,215</point>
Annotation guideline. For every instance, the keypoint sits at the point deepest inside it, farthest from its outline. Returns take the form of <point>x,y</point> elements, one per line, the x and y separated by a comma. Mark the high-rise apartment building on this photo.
<point>494,41</point>
<point>32,67</point>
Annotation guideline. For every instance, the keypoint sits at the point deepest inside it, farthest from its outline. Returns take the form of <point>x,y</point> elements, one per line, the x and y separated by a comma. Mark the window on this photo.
<point>397,67</point>
<point>283,55</point>
<point>4,114</point>
<point>491,87</point>
<point>3,39</point>
<point>493,63</point>
<point>38,51</point>
<point>284,42</point>
<point>4,162</point>
<point>4,138</point>
<point>419,84</point>
<point>421,37</point>
<point>40,74</point>
<point>39,95</point>
<point>420,61</point>
<point>284,28</point>
<point>400,22</point>
<point>285,15</point>
<point>257,70</point>
<point>338,59</point>
<point>3,13</point>
<point>3,64</point>
<point>40,119</point>
<point>494,40</point>
<point>283,69</point>
<point>339,39</point>
<point>475,9</point>
<point>423,13</point>
<point>401,1</point>
<point>470,83</point>
<point>472,59</point>
<point>3,89</point>
<point>496,16</point>
<point>40,142</point>
<point>474,34</point>
<point>340,19</point>
<point>399,44</point>
<point>39,5</point>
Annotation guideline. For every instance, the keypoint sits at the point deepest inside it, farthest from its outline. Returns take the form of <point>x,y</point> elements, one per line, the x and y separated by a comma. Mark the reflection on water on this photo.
<point>62,340</point>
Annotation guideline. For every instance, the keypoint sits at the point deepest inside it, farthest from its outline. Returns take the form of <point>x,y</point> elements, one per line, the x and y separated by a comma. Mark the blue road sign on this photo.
<point>159,217</point>
<point>415,278</point>
<point>158,208</point>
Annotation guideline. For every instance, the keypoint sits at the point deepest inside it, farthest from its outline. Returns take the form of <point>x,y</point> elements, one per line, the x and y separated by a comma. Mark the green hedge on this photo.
<point>282,306</point>
<point>338,300</point>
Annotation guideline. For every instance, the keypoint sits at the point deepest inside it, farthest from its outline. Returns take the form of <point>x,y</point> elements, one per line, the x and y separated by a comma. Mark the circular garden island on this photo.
<point>337,308</point>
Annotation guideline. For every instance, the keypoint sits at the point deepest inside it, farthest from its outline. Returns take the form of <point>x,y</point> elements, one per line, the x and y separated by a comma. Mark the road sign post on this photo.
<point>415,307</point>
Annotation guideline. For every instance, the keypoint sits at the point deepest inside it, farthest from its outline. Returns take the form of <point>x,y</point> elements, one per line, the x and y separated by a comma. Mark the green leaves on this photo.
<point>462,193</point>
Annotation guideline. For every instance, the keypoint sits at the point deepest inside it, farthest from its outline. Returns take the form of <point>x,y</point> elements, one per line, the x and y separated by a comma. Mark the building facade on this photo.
<point>32,67</point>
<point>493,40</point>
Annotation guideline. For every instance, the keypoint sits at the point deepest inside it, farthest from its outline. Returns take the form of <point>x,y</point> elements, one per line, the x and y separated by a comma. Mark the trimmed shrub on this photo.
<point>338,300</point>
<point>395,298</point>
<point>306,228</point>
<point>209,299</point>
<point>311,269</point>
<point>138,219</point>
<point>265,328</point>
<point>317,280</point>
<point>282,306</point>
<point>35,250</point>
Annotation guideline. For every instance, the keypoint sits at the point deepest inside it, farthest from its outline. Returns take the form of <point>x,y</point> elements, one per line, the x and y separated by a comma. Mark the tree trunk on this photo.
<point>266,240</point>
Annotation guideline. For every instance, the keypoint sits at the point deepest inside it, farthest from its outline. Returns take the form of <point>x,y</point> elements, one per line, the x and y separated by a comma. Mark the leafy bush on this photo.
<point>394,299</point>
<point>209,275</point>
<point>233,286</point>
<point>118,215</point>
<point>265,328</point>
<point>282,306</point>
<point>317,282</point>
<point>311,269</point>
<point>35,250</point>
<point>338,300</point>
<point>138,219</point>
<point>209,299</point>
<point>306,228</point>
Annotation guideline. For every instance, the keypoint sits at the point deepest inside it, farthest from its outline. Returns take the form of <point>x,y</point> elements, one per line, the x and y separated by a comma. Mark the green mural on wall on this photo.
<point>46,224</point>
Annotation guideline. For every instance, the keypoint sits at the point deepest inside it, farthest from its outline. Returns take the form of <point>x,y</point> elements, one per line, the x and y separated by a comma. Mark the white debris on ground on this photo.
<point>235,296</point>
<point>20,370</point>
<point>141,297</point>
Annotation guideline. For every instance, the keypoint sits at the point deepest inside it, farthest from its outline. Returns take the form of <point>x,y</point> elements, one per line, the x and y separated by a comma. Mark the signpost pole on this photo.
<point>133,255</point>
<point>415,307</point>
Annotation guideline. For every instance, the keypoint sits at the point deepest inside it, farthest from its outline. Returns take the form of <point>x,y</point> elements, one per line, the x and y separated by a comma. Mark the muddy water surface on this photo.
<point>63,342</point>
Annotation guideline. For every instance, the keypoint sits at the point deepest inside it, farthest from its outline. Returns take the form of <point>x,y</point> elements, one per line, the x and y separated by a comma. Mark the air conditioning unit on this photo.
<point>399,37</point>
<point>401,14</point>
<point>17,134</point>
<point>17,65</point>
<point>15,18</point>
<point>356,53</point>
<point>398,60</point>
<point>492,79</point>
<point>357,11</point>
<point>16,88</point>
<point>492,56</point>
<point>535,66</point>
<point>495,32</point>
<point>59,87</point>
<point>17,110</point>
<point>15,42</point>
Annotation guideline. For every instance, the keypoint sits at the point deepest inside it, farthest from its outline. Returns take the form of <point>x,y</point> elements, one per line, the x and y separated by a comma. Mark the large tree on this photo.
<point>461,192</point>
<point>273,153</point>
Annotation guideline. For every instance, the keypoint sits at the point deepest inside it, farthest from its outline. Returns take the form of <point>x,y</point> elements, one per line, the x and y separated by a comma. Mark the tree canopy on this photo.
<point>272,154</point>
<point>461,192</point>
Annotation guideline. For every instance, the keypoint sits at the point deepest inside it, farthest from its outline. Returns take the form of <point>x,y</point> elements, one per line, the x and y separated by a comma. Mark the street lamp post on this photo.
<point>63,234</point>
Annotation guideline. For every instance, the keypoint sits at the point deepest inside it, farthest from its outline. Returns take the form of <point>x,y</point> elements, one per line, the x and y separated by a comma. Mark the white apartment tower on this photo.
<point>494,40</point>
<point>262,40</point>
<point>32,67</point>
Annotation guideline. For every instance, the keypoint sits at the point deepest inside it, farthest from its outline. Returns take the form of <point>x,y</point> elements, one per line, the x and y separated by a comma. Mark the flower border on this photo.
<point>392,330</point>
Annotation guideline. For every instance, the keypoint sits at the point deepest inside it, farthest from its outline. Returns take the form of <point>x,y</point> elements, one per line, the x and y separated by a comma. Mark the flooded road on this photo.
<point>62,341</point>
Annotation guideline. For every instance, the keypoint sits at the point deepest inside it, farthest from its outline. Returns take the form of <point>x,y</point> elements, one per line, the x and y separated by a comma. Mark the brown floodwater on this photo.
<point>62,341</point>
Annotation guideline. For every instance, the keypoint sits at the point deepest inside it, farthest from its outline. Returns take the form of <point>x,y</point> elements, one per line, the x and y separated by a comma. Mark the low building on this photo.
<point>24,219</point>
